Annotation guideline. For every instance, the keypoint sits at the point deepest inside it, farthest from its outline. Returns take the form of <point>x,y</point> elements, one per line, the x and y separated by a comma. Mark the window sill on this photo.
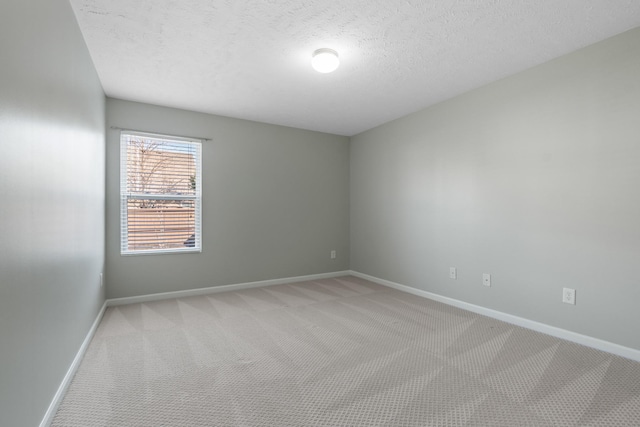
<point>163,252</point>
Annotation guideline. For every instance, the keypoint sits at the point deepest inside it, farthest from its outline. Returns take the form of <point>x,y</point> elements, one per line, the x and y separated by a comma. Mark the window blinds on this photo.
<point>161,188</point>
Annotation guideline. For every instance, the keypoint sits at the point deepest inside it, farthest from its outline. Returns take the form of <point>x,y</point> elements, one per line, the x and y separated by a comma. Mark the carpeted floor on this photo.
<point>338,352</point>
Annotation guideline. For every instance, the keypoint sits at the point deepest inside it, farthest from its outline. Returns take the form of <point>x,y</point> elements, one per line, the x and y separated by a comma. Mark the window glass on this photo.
<point>160,188</point>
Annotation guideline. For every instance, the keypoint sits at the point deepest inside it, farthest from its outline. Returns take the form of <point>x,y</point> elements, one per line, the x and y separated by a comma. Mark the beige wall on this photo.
<point>275,203</point>
<point>533,179</point>
<point>52,208</point>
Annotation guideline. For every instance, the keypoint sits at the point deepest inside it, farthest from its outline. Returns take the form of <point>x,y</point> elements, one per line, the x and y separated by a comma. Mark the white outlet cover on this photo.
<point>452,273</point>
<point>486,279</point>
<point>569,296</point>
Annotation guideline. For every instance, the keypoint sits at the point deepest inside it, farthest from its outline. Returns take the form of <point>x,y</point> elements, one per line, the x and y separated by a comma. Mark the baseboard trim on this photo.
<point>585,340</point>
<point>588,341</point>
<point>66,381</point>
<point>224,288</point>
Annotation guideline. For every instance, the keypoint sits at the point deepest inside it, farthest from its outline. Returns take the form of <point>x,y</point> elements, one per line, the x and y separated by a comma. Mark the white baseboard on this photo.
<point>66,381</point>
<point>588,341</point>
<point>223,288</point>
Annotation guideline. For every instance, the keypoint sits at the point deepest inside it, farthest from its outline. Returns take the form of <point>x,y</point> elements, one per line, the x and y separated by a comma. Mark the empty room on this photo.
<point>314,213</point>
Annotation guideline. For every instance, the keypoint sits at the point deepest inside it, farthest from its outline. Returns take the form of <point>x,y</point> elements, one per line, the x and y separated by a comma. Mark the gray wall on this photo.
<point>533,179</point>
<point>52,210</point>
<point>275,203</point>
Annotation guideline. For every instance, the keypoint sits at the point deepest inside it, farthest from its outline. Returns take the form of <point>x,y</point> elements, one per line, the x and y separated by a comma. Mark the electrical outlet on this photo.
<point>333,254</point>
<point>452,273</point>
<point>569,296</point>
<point>101,280</point>
<point>486,279</point>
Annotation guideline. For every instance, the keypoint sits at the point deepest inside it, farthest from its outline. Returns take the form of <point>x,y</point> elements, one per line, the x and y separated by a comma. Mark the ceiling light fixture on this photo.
<point>325,60</point>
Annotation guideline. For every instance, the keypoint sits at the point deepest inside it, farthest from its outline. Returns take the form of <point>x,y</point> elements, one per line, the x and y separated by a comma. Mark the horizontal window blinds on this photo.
<point>160,187</point>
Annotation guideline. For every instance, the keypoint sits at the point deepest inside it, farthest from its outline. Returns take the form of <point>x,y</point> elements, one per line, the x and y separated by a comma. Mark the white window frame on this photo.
<point>125,195</point>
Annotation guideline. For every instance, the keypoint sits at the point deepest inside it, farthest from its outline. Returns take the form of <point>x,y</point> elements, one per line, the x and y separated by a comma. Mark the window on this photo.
<point>160,193</point>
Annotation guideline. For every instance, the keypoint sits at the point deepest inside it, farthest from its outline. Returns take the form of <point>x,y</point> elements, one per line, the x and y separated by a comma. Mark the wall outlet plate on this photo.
<point>486,279</point>
<point>333,254</point>
<point>569,296</point>
<point>452,273</point>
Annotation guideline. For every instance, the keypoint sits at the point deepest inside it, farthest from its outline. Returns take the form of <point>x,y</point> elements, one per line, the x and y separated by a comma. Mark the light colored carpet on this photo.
<point>338,352</point>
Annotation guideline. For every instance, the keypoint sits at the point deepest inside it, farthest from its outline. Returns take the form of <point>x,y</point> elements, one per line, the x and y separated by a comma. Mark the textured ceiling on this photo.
<point>251,59</point>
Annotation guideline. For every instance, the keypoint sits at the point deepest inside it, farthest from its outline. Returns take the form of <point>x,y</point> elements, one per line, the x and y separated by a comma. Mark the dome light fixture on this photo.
<point>325,60</point>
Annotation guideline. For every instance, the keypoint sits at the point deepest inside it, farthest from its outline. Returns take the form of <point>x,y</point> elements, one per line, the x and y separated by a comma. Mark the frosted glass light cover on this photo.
<point>325,60</point>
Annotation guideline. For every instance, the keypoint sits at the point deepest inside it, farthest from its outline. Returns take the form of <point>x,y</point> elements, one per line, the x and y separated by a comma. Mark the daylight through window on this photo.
<point>160,188</point>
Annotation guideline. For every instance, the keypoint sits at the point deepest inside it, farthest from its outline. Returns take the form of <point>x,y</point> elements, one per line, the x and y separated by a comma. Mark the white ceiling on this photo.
<point>251,59</point>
